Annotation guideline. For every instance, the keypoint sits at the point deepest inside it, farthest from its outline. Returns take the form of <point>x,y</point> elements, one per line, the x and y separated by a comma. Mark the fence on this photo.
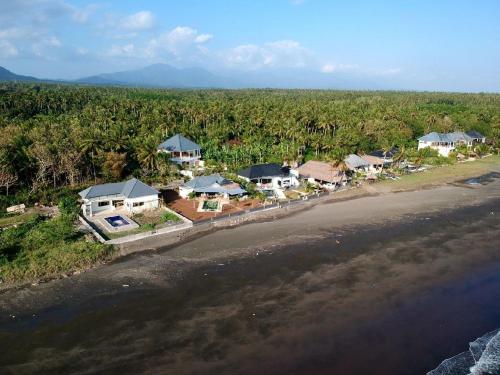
<point>188,224</point>
<point>283,204</point>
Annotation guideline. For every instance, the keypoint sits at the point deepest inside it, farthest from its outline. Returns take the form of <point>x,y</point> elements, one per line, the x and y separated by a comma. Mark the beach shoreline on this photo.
<point>385,191</point>
<point>321,269</point>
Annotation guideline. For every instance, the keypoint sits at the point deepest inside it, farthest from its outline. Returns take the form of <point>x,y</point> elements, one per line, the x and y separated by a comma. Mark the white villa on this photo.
<point>444,143</point>
<point>133,195</point>
<point>269,176</point>
<point>213,185</point>
<point>182,151</point>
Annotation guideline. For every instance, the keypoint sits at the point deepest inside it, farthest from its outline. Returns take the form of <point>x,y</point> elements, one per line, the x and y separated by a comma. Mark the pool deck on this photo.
<point>100,220</point>
<point>189,207</point>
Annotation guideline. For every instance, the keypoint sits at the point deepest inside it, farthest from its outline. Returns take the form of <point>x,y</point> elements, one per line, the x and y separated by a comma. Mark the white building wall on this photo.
<point>184,192</point>
<point>150,202</point>
<point>443,150</point>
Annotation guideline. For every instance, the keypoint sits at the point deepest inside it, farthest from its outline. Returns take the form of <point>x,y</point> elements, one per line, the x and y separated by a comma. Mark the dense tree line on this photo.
<point>63,135</point>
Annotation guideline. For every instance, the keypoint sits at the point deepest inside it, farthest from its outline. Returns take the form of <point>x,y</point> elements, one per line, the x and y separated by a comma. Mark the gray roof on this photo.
<point>474,134</point>
<point>354,161</point>
<point>132,188</point>
<point>446,137</point>
<point>215,184</point>
<point>205,181</point>
<point>178,143</point>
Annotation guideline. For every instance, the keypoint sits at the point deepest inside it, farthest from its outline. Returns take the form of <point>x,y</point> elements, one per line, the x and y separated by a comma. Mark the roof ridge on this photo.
<point>132,188</point>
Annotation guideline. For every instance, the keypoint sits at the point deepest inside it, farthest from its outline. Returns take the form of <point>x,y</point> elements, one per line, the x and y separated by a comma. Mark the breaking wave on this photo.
<point>482,358</point>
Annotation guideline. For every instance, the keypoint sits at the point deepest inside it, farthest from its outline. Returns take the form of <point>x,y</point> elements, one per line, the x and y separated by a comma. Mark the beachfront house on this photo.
<point>476,136</point>
<point>356,163</point>
<point>269,176</point>
<point>214,185</point>
<point>132,196</point>
<point>182,151</point>
<point>375,163</point>
<point>444,143</point>
<point>322,174</point>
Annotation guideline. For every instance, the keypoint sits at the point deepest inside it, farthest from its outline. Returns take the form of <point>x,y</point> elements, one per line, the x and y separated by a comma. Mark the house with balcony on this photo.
<point>269,176</point>
<point>444,143</point>
<point>132,196</point>
<point>182,151</point>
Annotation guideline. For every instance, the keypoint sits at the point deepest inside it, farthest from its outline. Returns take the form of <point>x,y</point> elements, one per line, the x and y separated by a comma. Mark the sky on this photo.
<point>436,45</point>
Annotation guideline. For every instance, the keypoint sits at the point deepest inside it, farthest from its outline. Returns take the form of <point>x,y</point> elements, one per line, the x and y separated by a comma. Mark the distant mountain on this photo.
<point>7,75</point>
<point>167,76</point>
<point>161,75</point>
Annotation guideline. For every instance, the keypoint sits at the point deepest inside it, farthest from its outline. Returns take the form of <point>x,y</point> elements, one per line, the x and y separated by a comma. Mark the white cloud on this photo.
<point>81,51</point>
<point>388,72</point>
<point>181,42</point>
<point>82,15</point>
<point>7,50</point>
<point>143,20</point>
<point>127,50</point>
<point>203,38</point>
<point>333,68</point>
<point>282,53</point>
<point>53,41</point>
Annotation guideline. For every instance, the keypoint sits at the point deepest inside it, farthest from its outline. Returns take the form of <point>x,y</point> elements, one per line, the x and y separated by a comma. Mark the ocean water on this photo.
<point>482,358</point>
<point>394,299</point>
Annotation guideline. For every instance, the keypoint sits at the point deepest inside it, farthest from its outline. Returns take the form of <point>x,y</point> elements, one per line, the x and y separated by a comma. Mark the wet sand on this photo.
<point>385,284</point>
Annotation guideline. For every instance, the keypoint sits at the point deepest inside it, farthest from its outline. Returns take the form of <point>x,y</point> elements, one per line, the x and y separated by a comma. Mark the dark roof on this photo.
<point>178,143</point>
<point>263,170</point>
<point>380,153</point>
<point>132,188</point>
<point>474,134</point>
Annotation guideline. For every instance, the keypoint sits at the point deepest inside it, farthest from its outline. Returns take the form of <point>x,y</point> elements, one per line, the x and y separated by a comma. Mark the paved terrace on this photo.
<point>188,208</point>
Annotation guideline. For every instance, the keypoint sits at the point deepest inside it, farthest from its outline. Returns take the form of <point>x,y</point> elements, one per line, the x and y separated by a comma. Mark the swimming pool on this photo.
<point>210,205</point>
<point>116,221</point>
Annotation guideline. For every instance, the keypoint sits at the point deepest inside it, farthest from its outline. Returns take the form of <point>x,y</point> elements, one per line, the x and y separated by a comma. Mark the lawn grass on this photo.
<point>147,221</point>
<point>442,174</point>
<point>141,229</point>
<point>16,219</point>
<point>43,248</point>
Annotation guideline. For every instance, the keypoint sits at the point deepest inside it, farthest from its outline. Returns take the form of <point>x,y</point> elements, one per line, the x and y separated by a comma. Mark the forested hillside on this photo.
<point>55,136</point>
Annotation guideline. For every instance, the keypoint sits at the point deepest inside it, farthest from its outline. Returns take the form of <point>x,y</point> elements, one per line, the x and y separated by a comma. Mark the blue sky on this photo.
<point>405,44</point>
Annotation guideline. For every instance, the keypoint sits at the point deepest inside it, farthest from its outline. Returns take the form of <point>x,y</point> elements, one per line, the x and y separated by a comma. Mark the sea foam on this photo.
<point>482,358</point>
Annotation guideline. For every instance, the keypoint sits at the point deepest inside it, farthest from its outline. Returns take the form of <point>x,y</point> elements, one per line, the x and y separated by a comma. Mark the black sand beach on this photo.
<point>371,286</point>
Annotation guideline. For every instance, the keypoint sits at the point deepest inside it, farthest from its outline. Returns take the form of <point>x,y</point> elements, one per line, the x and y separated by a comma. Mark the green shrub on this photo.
<point>68,206</point>
<point>43,248</point>
<point>169,216</point>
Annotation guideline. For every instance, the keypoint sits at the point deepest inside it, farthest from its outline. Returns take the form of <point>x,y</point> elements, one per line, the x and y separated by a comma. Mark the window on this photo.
<point>103,203</point>
<point>137,204</point>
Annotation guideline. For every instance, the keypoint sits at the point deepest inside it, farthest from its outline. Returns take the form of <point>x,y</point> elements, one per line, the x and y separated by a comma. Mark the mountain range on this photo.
<point>7,75</point>
<point>167,76</point>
